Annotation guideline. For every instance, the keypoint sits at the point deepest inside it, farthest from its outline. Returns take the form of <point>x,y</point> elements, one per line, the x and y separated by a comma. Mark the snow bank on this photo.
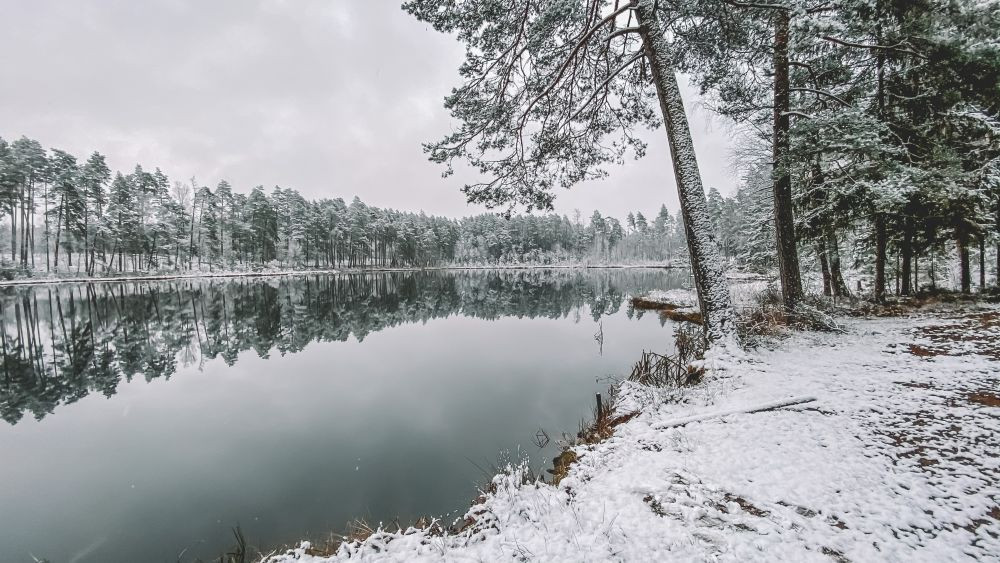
<point>895,460</point>
<point>675,298</point>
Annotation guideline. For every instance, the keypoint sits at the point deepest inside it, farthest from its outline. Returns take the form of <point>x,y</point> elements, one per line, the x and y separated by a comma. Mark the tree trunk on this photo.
<point>897,273</point>
<point>932,274</point>
<point>784,221</point>
<point>45,200</point>
<point>23,247</point>
<point>881,240</point>
<point>194,208</point>
<point>59,229</point>
<point>906,275</point>
<point>963,260</point>
<point>825,266</point>
<point>706,265</point>
<point>982,263</point>
<point>833,255</point>
<point>13,232</point>
<point>31,229</point>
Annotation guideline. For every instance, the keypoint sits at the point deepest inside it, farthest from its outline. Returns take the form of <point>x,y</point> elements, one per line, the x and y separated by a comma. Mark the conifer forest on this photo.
<point>500,280</point>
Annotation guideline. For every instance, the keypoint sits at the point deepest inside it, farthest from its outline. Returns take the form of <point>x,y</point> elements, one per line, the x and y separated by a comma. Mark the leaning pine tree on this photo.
<point>554,91</point>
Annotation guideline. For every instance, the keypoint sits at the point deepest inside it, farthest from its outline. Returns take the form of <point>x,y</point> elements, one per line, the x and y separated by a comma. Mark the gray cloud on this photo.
<point>331,97</point>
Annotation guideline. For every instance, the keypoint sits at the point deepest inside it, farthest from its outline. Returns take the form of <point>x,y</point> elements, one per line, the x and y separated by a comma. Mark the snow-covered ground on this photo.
<point>897,459</point>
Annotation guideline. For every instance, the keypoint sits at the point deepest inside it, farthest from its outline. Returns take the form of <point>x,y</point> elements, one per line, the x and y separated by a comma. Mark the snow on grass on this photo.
<point>895,460</point>
<point>677,298</point>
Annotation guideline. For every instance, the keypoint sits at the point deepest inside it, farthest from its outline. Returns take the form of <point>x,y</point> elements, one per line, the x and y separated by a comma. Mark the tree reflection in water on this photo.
<point>63,342</point>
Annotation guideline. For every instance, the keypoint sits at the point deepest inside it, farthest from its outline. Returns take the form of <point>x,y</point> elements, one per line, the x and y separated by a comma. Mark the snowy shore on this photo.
<point>896,459</point>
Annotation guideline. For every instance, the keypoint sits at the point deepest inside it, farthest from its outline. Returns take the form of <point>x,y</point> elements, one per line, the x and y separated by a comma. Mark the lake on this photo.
<point>142,421</point>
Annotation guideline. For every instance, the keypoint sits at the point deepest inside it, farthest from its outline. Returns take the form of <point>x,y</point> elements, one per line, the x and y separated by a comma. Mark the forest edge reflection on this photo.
<point>60,343</point>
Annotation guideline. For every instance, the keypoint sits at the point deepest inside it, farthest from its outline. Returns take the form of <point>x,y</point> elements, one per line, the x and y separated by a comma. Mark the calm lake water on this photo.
<point>143,420</point>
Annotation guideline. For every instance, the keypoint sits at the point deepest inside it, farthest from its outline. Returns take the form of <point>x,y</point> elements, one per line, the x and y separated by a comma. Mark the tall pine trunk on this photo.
<point>194,208</point>
<point>825,267</point>
<point>833,256</point>
<point>45,200</point>
<point>706,265</point>
<point>907,252</point>
<point>784,222</point>
<point>59,229</point>
<point>881,240</point>
<point>982,263</point>
<point>897,273</point>
<point>13,232</point>
<point>965,274</point>
<point>931,272</point>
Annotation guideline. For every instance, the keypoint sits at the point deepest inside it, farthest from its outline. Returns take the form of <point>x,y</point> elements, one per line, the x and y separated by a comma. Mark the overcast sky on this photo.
<point>330,97</point>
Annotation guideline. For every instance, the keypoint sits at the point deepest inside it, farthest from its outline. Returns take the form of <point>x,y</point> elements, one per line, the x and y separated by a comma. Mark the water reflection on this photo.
<point>189,416</point>
<point>61,343</point>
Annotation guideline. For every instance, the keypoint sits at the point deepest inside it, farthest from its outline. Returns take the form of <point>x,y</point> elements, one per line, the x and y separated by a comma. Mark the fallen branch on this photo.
<point>746,410</point>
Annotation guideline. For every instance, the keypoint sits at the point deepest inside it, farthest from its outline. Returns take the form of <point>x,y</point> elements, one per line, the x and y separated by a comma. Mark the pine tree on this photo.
<point>70,205</point>
<point>94,177</point>
<point>559,67</point>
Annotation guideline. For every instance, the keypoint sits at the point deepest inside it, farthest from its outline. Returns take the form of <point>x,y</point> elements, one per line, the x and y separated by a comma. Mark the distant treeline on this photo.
<point>68,216</point>
<point>61,343</point>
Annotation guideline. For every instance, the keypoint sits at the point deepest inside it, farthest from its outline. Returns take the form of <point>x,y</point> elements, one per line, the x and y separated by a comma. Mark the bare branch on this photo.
<point>755,5</point>
<point>798,114</point>
<point>584,39</point>
<point>623,31</point>
<point>821,93</point>
<point>897,47</point>
<point>604,84</point>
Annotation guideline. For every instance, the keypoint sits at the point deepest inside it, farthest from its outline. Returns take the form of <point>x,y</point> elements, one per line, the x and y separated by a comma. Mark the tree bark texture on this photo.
<point>784,221</point>
<point>881,240</point>
<point>706,264</point>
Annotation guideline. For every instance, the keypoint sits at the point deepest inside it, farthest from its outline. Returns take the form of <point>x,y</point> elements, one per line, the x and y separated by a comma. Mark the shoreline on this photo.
<point>330,271</point>
<point>695,471</point>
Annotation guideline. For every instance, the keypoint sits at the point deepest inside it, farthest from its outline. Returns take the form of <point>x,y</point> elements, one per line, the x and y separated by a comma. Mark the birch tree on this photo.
<point>553,92</point>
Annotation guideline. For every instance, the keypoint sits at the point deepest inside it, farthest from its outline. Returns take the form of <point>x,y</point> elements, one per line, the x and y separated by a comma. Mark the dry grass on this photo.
<point>985,398</point>
<point>896,306</point>
<point>643,303</point>
<point>668,311</point>
<point>659,370</point>
<point>359,530</point>
<point>651,369</point>
<point>767,317</point>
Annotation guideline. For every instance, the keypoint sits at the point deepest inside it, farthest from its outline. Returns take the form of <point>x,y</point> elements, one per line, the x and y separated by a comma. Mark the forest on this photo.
<point>868,140</point>
<point>873,123</point>
<point>67,216</point>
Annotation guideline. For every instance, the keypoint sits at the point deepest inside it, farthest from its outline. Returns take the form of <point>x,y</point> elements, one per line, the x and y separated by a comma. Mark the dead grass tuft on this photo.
<point>359,530</point>
<point>668,311</point>
<point>767,317</point>
<point>984,398</point>
<point>746,505</point>
<point>920,351</point>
